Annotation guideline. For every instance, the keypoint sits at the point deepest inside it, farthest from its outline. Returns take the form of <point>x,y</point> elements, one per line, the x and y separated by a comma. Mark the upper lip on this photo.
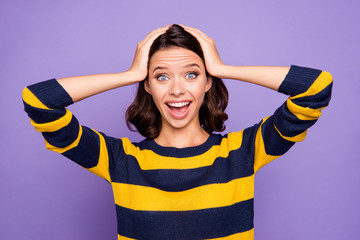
<point>177,101</point>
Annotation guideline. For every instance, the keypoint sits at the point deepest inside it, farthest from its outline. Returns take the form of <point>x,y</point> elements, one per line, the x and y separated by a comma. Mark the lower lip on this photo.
<point>179,115</point>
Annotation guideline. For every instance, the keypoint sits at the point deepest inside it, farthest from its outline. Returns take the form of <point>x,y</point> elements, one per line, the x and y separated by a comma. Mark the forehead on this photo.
<point>175,56</point>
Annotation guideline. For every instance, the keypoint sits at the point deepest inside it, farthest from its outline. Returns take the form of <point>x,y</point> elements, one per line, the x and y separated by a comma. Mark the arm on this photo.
<point>266,76</point>
<point>45,104</point>
<point>81,87</point>
<point>309,93</point>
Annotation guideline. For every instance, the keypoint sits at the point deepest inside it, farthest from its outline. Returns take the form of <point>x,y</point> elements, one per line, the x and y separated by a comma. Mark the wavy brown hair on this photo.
<point>143,113</point>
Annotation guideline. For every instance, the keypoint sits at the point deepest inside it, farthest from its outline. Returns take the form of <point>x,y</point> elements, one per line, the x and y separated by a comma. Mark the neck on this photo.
<point>181,138</point>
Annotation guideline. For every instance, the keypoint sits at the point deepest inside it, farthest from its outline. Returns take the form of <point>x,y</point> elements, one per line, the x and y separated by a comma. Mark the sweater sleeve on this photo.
<point>309,93</point>
<point>45,104</point>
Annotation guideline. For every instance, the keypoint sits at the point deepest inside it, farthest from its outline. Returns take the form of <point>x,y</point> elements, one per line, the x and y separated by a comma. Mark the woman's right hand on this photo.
<point>139,67</point>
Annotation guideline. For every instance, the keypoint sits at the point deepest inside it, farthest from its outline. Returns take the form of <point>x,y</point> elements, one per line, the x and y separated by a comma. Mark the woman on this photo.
<point>183,181</point>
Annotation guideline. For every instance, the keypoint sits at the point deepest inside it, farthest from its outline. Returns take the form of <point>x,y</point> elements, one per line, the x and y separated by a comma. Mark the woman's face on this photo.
<point>177,82</point>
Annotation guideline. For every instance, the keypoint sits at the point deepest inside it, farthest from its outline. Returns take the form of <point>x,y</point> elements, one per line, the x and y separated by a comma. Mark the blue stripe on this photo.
<point>238,164</point>
<point>318,100</point>
<point>51,93</point>
<point>86,153</point>
<point>64,136</point>
<point>197,224</point>
<point>223,170</point>
<point>275,145</point>
<point>288,124</point>
<point>40,115</point>
<point>117,156</point>
<point>213,139</point>
<point>298,80</point>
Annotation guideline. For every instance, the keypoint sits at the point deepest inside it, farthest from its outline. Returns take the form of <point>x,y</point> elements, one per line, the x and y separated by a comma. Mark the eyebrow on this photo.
<point>186,66</point>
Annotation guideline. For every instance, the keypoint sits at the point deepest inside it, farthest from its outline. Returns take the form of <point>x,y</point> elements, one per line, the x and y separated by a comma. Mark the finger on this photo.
<point>184,26</point>
<point>197,32</point>
<point>201,38</point>
<point>153,35</point>
<point>190,28</point>
<point>164,28</point>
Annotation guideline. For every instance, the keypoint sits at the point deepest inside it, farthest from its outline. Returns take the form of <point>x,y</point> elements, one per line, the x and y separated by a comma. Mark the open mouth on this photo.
<point>178,109</point>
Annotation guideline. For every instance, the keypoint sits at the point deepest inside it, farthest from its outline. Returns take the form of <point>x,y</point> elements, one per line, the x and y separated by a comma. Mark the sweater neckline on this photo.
<point>213,139</point>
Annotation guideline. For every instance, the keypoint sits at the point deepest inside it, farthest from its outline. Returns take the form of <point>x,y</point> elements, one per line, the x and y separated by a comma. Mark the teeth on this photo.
<point>178,104</point>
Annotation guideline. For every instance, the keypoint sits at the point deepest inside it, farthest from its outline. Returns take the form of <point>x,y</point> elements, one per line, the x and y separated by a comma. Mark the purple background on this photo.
<point>310,193</point>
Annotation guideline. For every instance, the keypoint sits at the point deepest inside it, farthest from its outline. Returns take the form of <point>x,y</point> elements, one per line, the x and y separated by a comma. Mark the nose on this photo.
<point>177,87</point>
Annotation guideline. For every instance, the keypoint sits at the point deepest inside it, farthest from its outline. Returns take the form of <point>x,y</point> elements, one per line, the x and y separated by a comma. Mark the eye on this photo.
<point>192,75</point>
<point>161,78</point>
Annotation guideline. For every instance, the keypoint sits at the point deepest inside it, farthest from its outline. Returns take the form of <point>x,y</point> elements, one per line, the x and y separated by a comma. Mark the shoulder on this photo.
<point>131,147</point>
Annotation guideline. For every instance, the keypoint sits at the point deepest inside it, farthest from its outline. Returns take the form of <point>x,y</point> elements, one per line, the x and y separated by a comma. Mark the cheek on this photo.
<point>157,94</point>
<point>198,90</point>
<point>199,94</point>
<point>158,103</point>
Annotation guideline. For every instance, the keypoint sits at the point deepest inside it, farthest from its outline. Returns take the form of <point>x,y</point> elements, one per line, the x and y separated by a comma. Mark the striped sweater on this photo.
<point>201,192</point>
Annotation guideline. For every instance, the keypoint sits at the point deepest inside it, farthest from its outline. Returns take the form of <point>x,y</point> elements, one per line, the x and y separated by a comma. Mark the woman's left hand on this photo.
<point>213,63</point>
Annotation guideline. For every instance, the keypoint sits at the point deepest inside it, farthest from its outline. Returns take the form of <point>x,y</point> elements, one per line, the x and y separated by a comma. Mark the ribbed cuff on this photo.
<point>298,80</point>
<point>51,93</point>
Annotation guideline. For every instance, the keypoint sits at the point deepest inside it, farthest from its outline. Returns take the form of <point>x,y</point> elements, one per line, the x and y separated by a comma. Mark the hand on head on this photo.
<point>139,65</point>
<point>213,63</point>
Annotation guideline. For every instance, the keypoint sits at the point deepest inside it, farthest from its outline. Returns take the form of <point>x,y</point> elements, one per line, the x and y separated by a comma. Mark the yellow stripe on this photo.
<point>261,157</point>
<point>62,150</point>
<point>323,80</point>
<point>303,113</point>
<point>248,235</point>
<point>32,100</point>
<point>124,238</point>
<point>102,168</point>
<point>232,142</point>
<point>54,125</point>
<point>298,138</point>
<point>208,196</point>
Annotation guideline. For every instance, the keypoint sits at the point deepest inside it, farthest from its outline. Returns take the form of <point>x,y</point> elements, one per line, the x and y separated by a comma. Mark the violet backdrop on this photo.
<point>310,193</point>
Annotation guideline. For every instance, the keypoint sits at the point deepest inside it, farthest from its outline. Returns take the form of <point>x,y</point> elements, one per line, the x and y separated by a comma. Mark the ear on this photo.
<point>209,82</point>
<point>146,86</point>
